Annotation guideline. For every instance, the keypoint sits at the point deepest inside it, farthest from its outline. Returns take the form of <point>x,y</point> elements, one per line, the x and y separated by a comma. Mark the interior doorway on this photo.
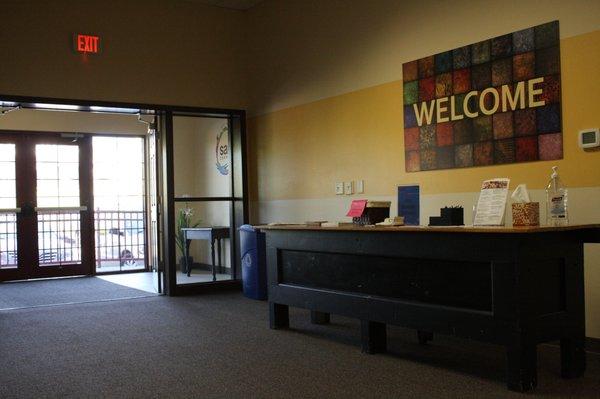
<point>45,195</point>
<point>119,204</point>
<point>158,253</point>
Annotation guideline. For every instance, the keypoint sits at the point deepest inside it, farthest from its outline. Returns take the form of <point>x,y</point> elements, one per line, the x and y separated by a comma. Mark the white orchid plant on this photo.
<point>184,220</point>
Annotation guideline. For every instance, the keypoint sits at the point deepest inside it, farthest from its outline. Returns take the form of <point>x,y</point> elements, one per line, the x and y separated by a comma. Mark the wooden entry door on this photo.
<point>45,206</point>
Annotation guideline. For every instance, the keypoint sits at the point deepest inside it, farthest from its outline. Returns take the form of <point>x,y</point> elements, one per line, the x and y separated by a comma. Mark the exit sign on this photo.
<point>87,44</point>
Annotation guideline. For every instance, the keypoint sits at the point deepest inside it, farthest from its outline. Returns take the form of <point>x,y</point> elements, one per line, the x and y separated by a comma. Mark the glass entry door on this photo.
<point>205,193</point>
<point>45,226</point>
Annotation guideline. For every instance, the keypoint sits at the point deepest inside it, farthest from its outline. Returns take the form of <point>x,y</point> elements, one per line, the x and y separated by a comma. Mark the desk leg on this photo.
<point>373,337</point>
<point>212,250</point>
<point>424,337</point>
<point>317,317</point>
<point>279,316</point>
<point>572,357</point>
<point>521,366</point>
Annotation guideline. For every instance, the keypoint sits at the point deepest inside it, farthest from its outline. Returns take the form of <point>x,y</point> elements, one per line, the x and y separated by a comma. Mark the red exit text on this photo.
<point>87,44</point>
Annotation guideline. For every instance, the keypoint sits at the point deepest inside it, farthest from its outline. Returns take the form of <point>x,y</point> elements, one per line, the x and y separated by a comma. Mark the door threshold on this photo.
<point>49,305</point>
<point>44,278</point>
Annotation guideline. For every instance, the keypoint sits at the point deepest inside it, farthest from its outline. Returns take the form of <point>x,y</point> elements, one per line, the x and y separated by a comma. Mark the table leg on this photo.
<point>317,317</point>
<point>279,316</point>
<point>212,250</point>
<point>186,251</point>
<point>219,255</point>
<point>373,337</point>
<point>572,357</point>
<point>521,366</point>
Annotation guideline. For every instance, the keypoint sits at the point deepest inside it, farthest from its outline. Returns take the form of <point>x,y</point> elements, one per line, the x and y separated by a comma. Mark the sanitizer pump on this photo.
<point>556,201</point>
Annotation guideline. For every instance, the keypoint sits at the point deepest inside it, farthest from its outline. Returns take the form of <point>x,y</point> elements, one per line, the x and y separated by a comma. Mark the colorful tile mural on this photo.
<point>493,102</point>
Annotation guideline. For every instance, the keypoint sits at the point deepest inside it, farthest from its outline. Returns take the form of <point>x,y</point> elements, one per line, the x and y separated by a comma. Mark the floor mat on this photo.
<point>63,291</point>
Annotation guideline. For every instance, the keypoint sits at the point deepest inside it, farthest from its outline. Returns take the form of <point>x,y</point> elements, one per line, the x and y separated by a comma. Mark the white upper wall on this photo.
<point>304,50</point>
<point>154,52</point>
<point>278,54</point>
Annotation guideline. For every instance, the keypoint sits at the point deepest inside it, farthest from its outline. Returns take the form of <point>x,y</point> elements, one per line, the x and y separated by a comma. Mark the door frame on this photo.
<point>165,184</point>
<point>238,200</point>
<point>26,179</point>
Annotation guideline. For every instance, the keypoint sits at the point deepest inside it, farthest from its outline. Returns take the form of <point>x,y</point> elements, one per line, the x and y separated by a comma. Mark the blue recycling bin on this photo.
<point>254,262</point>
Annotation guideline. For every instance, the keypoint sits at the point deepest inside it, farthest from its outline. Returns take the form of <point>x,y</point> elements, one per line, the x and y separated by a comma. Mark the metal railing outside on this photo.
<point>8,240</point>
<point>59,236</point>
<point>120,240</point>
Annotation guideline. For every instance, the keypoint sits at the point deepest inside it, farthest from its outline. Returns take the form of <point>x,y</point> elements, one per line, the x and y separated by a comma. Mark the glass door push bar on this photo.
<point>515,287</point>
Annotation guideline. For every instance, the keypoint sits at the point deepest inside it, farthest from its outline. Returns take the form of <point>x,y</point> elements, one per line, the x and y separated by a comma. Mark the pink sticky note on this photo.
<point>357,208</point>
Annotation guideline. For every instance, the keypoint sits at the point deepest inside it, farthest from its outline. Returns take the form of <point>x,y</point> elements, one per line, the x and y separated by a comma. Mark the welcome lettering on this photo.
<point>490,101</point>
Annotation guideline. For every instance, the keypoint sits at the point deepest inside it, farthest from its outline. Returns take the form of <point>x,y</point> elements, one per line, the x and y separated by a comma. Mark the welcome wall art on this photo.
<point>493,102</point>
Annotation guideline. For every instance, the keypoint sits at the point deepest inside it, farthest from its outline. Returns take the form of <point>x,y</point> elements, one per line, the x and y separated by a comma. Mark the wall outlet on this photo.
<point>348,188</point>
<point>360,186</point>
<point>339,188</point>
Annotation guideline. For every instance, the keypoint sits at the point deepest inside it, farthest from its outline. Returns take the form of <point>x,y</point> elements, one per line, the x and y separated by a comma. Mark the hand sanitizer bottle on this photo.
<point>556,201</point>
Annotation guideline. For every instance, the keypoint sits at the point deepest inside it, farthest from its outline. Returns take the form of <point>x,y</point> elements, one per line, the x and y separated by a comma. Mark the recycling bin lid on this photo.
<point>247,227</point>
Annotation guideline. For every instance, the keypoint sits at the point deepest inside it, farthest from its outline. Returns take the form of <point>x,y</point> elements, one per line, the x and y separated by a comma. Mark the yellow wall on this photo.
<point>300,152</point>
<point>326,86</point>
<point>154,51</point>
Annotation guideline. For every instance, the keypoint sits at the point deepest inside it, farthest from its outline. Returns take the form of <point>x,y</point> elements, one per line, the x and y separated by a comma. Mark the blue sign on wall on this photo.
<point>408,204</point>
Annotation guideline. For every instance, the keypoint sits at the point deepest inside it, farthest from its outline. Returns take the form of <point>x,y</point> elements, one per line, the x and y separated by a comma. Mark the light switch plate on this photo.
<point>360,186</point>
<point>339,188</point>
<point>348,188</point>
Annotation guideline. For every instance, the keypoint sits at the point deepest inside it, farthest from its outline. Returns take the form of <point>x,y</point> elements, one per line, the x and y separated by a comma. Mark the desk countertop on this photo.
<point>438,229</point>
<point>201,228</point>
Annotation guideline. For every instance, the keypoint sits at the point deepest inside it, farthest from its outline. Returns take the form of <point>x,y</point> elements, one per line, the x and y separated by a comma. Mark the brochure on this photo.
<point>492,203</point>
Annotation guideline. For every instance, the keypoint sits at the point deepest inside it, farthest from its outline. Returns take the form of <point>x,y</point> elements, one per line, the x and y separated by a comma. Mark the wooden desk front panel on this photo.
<point>481,286</point>
<point>465,285</point>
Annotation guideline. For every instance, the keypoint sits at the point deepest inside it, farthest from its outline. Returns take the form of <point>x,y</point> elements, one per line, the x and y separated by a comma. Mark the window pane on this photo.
<point>69,153</point>
<point>68,171</point>
<point>47,202</point>
<point>7,170</point>
<point>46,153</point>
<point>54,160</point>
<point>7,152</point>
<point>202,165</point>
<point>46,188</point>
<point>69,188</point>
<point>214,215</point>
<point>6,203</point>
<point>69,201</point>
<point>7,188</point>
<point>46,171</point>
<point>7,176</point>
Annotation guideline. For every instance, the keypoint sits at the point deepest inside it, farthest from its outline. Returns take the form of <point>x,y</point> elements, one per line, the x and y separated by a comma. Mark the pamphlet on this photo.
<point>492,202</point>
<point>408,204</point>
<point>357,207</point>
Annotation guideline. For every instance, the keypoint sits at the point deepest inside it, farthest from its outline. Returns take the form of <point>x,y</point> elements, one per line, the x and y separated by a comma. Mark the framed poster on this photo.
<point>493,102</point>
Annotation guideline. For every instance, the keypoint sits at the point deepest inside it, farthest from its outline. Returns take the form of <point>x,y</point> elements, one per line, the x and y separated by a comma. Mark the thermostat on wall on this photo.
<point>589,138</point>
